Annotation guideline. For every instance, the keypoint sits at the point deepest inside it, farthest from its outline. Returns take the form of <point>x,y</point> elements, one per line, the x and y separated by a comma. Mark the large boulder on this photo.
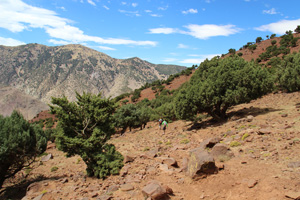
<point>200,164</point>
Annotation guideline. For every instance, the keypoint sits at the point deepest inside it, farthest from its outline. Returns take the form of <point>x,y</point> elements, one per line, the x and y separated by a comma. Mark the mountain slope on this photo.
<point>13,99</point>
<point>43,71</point>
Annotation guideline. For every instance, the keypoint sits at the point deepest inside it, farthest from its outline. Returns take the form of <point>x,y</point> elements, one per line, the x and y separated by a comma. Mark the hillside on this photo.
<point>14,99</point>
<point>261,47</point>
<point>42,71</point>
<point>266,162</point>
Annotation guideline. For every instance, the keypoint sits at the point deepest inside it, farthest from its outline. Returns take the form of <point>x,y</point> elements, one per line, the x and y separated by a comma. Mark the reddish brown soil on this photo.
<point>262,46</point>
<point>259,171</point>
<point>150,94</point>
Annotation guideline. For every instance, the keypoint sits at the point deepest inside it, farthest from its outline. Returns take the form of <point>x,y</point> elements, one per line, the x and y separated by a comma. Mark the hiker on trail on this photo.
<point>159,123</point>
<point>164,124</point>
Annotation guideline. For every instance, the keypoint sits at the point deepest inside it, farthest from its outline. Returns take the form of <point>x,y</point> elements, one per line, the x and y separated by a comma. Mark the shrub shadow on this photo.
<point>232,116</point>
<point>18,191</point>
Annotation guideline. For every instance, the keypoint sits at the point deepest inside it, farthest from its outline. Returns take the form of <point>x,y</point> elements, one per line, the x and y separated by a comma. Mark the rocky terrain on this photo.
<point>254,155</point>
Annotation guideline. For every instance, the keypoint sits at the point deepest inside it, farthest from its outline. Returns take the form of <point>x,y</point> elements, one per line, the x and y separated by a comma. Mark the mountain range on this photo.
<point>44,72</point>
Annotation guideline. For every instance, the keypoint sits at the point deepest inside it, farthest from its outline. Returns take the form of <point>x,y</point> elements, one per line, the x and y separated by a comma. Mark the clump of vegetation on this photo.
<point>245,136</point>
<point>146,149</point>
<point>54,169</point>
<point>21,142</point>
<point>185,141</point>
<point>84,128</point>
<point>219,84</point>
<point>234,144</point>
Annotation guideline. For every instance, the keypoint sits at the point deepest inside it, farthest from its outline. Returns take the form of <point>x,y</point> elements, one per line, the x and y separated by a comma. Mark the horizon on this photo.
<point>160,32</point>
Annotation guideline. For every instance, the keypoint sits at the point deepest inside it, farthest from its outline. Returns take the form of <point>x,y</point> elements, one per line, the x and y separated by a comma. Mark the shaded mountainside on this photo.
<point>43,71</point>
<point>13,99</point>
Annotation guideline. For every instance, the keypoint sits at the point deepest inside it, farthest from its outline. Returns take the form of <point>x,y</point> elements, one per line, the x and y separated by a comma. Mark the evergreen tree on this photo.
<point>20,143</point>
<point>219,84</point>
<point>288,73</point>
<point>84,128</point>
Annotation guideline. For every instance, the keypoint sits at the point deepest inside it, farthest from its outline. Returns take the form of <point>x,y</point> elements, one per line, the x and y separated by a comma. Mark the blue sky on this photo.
<point>182,32</point>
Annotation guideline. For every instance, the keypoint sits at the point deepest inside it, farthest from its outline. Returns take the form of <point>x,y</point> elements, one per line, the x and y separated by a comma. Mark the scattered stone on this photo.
<point>128,159</point>
<point>251,183</point>
<point>264,131</point>
<point>249,118</point>
<point>293,195</point>
<point>64,180</point>
<point>104,197</point>
<point>184,164</point>
<point>221,152</point>
<point>200,163</point>
<point>47,157</point>
<point>94,194</point>
<point>151,170</point>
<point>284,115</point>
<point>154,190</point>
<point>126,187</point>
<point>150,154</point>
<point>294,164</point>
<point>171,162</point>
<point>209,143</point>
<point>112,188</point>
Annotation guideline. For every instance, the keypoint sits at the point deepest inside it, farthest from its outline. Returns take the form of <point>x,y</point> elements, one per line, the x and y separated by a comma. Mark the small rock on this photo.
<point>47,157</point>
<point>250,118</point>
<point>154,190</point>
<point>126,187</point>
<point>252,183</point>
<point>293,195</point>
<point>128,159</point>
<point>294,164</point>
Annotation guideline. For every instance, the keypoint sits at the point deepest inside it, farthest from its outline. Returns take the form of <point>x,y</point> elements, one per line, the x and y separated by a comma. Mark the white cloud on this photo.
<point>59,42</point>
<point>10,42</point>
<point>200,31</point>
<point>272,11</point>
<point>123,3</point>
<point>155,15</point>
<point>163,8</point>
<point>280,27</point>
<point>107,8</point>
<point>17,16</point>
<point>182,46</point>
<point>130,13</point>
<point>163,30</point>
<point>134,5</point>
<point>210,30</point>
<point>190,11</point>
<point>199,60</point>
<point>91,2</point>
<point>106,48</point>
<point>148,11</point>
<point>62,8</point>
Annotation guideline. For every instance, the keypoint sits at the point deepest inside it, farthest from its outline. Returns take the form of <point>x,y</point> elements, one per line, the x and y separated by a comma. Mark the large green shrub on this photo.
<point>221,83</point>
<point>288,73</point>
<point>132,116</point>
<point>84,128</point>
<point>20,143</point>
